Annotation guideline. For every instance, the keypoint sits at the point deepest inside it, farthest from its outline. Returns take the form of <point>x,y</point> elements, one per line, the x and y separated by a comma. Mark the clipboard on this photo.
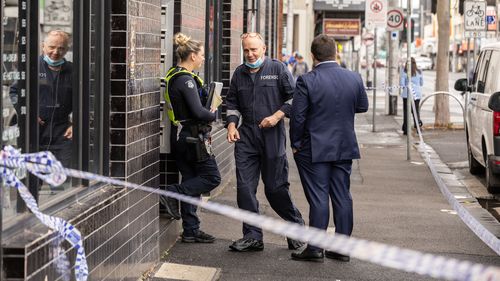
<point>214,95</point>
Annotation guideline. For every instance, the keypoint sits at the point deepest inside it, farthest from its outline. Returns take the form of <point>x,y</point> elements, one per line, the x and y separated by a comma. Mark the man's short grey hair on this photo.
<point>58,32</point>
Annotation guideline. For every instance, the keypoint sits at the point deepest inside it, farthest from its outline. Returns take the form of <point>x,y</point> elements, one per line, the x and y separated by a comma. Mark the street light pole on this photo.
<point>409,94</point>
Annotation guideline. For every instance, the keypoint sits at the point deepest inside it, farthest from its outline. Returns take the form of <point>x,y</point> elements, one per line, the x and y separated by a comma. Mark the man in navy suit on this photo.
<point>324,141</point>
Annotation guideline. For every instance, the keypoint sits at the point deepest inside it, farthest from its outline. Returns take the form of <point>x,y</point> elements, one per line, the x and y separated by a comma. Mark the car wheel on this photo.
<point>492,180</point>
<point>475,167</point>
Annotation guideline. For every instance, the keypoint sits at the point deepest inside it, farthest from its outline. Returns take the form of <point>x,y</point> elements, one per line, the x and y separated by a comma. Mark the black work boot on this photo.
<point>247,245</point>
<point>197,236</point>
<point>171,204</point>
<point>294,244</point>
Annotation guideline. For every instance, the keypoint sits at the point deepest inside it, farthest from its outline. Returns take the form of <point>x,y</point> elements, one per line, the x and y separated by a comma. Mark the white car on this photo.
<point>423,63</point>
<point>482,118</point>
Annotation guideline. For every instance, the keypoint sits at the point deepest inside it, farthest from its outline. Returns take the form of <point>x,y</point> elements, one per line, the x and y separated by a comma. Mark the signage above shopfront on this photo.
<point>341,27</point>
<point>340,5</point>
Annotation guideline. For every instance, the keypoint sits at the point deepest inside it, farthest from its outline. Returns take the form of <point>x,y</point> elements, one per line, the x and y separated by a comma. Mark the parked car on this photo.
<point>482,118</point>
<point>424,63</point>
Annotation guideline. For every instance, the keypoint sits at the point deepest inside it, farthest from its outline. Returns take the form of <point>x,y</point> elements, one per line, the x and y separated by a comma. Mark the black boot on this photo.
<point>170,204</point>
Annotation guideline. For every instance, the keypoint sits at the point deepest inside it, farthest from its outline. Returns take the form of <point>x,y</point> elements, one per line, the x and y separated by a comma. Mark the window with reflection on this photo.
<point>68,114</point>
<point>10,77</point>
<point>55,87</point>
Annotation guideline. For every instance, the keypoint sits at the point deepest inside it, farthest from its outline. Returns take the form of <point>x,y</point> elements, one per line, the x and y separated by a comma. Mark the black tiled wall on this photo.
<point>120,228</point>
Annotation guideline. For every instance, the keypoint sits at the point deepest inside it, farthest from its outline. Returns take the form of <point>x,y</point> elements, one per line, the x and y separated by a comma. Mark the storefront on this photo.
<point>119,51</point>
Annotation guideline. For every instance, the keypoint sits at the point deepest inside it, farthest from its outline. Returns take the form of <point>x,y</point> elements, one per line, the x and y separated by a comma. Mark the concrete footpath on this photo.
<point>395,202</point>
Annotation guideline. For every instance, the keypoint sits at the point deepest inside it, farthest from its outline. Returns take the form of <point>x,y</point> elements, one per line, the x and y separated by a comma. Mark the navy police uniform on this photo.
<point>251,98</point>
<point>322,131</point>
<point>199,175</point>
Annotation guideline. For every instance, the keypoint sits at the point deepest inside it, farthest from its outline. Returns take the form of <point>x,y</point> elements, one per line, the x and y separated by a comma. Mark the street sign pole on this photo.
<point>468,61</point>
<point>409,95</point>
<point>375,16</point>
<point>374,78</point>
<point>395,23</point>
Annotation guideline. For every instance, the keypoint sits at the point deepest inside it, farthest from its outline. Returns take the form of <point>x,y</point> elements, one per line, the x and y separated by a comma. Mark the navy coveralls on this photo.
<point>261,150</point>
<point>198,177</point>
<point>55,106</point>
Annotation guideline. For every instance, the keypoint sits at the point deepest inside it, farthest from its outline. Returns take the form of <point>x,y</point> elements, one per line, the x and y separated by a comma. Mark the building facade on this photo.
<point>120,50</point>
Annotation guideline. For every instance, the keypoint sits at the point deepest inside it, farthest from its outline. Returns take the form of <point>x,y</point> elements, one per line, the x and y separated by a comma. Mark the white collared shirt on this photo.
<point>327,61</point>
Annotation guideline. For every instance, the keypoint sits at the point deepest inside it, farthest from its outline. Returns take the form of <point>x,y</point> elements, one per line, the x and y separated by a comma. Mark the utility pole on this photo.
<point>442,114</point>
<point>393,74</point>
<point>289,27</point>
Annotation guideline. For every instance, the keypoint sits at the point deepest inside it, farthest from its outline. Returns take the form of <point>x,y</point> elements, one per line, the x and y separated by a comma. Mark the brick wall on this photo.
<point>119,227</point>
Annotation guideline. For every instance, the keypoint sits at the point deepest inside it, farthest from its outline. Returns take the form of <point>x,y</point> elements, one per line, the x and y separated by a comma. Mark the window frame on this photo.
<point>28,140</point>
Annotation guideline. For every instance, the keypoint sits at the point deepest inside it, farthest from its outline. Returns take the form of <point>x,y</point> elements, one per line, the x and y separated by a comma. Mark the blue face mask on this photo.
<point>52,62</point>
<point>256,64</point>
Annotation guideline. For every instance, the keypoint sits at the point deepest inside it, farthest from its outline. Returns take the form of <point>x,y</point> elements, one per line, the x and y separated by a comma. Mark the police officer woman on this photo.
<point>185,100</point>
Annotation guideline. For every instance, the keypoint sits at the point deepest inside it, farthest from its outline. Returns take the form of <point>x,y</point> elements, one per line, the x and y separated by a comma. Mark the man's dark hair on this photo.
<point>323,48</point>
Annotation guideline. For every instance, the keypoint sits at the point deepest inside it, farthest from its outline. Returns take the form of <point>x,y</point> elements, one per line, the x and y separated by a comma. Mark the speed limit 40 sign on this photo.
<point>395,19</point>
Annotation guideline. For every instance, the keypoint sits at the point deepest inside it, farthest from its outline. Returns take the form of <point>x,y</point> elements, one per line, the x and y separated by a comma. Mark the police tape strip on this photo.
<point>378,253</point>
<point>46,167</point>
<point>389,89</point>
<point>484,234</point>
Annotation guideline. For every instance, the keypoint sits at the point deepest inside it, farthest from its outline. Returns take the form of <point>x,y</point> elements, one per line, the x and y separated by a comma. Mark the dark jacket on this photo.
<point>254,101</point>
<point>55,99</point>
<point>322,117</point>
<point>185,97</point>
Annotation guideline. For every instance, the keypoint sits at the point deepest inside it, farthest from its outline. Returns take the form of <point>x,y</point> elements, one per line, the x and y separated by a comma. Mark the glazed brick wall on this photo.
<point>232,28</point>
<point>132,246</point>
<point>119,228</point>
<point>135,91</point>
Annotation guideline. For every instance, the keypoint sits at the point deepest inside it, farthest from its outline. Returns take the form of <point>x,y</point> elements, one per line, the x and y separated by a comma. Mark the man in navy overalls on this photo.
<point>260,96</point>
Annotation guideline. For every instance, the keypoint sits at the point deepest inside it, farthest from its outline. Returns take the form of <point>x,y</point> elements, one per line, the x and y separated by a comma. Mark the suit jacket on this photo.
<point>322,117</point>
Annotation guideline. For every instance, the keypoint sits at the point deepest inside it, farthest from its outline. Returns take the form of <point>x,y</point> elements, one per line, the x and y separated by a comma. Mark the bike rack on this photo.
<point>443,93</point>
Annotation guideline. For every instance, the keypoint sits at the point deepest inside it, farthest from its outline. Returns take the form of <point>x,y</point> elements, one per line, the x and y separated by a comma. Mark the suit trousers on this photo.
<point>252,160</point>
<point>324,182</point>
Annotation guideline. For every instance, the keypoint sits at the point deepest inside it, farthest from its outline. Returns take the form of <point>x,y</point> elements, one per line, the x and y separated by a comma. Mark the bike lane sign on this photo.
<point>475,19</point>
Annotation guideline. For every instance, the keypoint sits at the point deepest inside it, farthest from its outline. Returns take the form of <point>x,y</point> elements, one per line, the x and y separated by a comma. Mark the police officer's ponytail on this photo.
<point>185,46</point>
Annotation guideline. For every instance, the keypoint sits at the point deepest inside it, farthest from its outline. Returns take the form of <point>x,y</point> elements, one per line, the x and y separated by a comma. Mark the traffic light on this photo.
<point>403,33</point>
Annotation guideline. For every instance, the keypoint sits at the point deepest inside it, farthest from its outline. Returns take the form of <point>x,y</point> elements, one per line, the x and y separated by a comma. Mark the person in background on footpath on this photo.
<point>284,59</point>
<point>417,81</point>
<point>340,61</point>
<point>293,59</point>
<point>300,67</point>
<point>260,95</point>
<point>55,99</point>
<point>185,100</point>
<point>324,142</point>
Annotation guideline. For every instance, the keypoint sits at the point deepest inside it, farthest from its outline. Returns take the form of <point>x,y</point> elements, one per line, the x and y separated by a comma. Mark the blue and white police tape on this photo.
<point>389,89</point>
<point>482,232</point>
<point>378,253</point>
<point>46,167</point>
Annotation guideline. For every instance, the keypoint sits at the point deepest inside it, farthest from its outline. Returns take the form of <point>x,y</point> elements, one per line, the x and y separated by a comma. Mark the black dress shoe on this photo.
<point>337,256</point>
<point>309,255</point>
<point>247,245</point>
<point>294,244</point>
<point>197,236</point>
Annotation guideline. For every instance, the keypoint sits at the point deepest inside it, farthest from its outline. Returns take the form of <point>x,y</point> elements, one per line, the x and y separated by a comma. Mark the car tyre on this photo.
<point>475,168</point>
<point>492,180</point>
